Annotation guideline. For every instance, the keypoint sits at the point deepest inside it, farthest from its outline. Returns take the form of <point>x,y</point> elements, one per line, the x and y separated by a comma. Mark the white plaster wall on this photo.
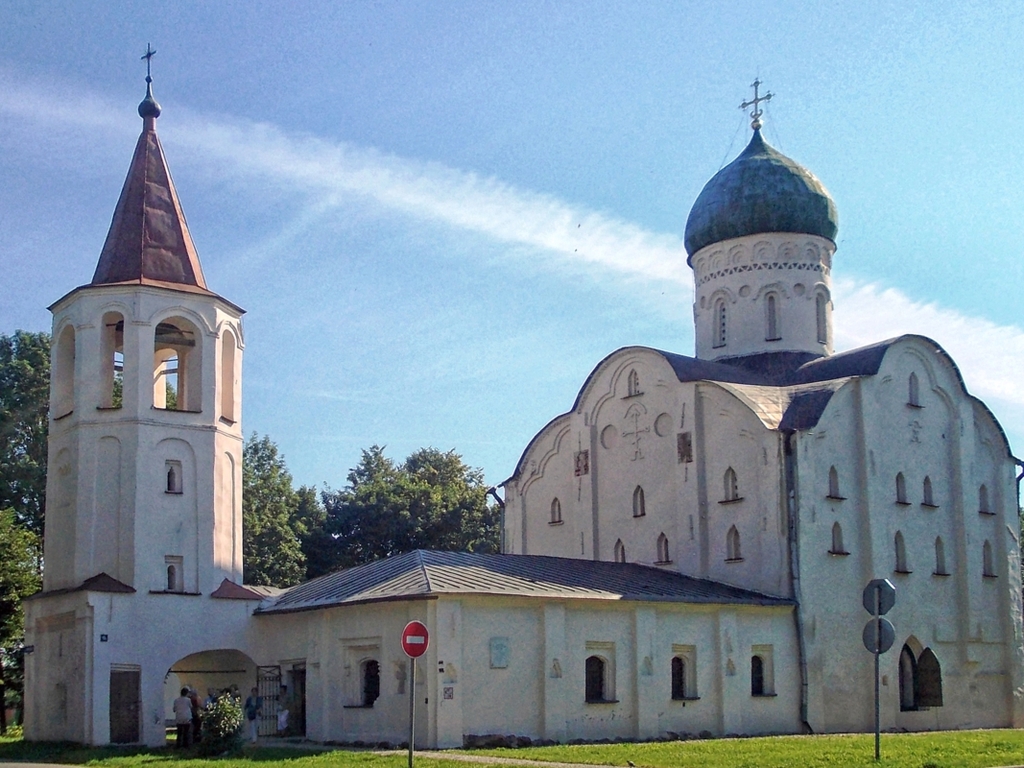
<point>742,271</point>
<point>970,622</point>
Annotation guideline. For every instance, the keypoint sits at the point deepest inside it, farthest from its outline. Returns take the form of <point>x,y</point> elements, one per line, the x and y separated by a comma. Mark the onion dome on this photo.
<point>762,190</point>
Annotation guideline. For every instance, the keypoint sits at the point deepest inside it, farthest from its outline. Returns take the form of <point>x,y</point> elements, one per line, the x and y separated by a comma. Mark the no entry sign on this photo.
<point>415,639</point>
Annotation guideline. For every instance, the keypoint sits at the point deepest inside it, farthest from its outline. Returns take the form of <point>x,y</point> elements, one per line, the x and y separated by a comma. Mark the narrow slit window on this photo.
<point>633,386</point>
<point>833,484</point>
<point>901,489</point>
<point>172,474</point>
<point>820,306</point>
<point>639,505</point>
<point>757,676</point>
<point>927,494</point>
<point>983,506</point>
<point>620,552</point>
<point>720,324</point>
<point>732,546</point>
<point>837,540</point>
<point>901,553</point>
<point>772,319</point>
<point>556,511</point>
<point>988,567</point>
<point>174,573</point>
<point>594,668</point>
<point>913,391</point>
<point>730,486</point>
<point>940,557</point>
<point>678,678</point>
<point>663,553</point>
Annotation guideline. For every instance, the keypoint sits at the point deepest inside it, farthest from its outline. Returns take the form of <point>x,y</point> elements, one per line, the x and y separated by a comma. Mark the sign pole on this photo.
<point>412,706</point>
<point>878,652</point>
<point>415,639</point>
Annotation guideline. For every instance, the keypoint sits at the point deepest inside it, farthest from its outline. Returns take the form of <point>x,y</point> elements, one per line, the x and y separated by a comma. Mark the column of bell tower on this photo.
<point>145,440</point>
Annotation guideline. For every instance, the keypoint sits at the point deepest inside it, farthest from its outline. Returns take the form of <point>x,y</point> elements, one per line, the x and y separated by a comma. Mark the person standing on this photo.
<point>183,720</point>
<point>253,710</point>
<point>197,716</point>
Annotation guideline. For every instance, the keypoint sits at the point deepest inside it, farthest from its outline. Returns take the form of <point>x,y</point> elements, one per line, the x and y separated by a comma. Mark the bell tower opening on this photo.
<point>177,366</point>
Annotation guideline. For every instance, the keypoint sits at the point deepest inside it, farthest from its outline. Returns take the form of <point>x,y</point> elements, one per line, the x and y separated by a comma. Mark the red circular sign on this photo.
<point>415,639</point>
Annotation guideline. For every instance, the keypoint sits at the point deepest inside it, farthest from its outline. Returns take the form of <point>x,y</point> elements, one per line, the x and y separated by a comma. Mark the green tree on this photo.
<point>271,550</point>
<point>24,414</point>
<point>431,501</point>
<point>19,578</point>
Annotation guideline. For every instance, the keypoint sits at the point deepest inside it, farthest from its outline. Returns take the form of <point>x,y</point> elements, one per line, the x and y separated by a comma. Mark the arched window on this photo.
<point>771,319</point>
<point>64,373</point>
<point>837,540</point>
<point>620,551</point>
<point>633,384</point>
<point>731,487</point>
<point>940,557</point>
<point>172,473</point>
<point>663,554</point>
<point>720,324</point>
<point>820,308</point>
<point>112,361</point>
<point>908,680</point>
<point>757,676</point>
<point>988,566</point>
<point>927,496</point>
<point>983,507</point>
<point>913,391</point>
<point>556,511</point>
<point>172,578</point>
<point>370,676</point>
<point>901,554</point>
<point>901,489</point>
<point>833,484</point>
<point>595,672</point>
<point>678,678</point>
<point>639,507</point>
<point>732,545</point>
<point>929,680</point>
<point>227,376</point>
<point>177,366</point>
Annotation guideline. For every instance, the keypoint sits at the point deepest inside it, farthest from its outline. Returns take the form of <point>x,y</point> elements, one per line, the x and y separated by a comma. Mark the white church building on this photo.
<point>685,548</point>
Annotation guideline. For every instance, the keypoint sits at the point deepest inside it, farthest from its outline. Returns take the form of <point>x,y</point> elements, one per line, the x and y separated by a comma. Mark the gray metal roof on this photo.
<point>425,574</point>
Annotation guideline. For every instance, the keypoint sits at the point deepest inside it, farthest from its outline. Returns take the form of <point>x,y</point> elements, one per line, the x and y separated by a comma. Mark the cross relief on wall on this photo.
<point>635,414</point>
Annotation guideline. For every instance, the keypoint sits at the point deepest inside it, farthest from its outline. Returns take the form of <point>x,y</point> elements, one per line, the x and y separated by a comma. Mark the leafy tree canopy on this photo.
<point>271,550</point>
<point>24,412</point>
<point>431,501</point>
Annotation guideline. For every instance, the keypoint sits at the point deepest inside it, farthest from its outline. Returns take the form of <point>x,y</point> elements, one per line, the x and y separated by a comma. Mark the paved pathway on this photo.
<point>489,759</point>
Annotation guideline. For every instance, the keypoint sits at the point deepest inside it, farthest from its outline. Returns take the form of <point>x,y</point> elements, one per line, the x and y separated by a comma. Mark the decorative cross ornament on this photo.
<point>148,55</point>
<point>634,413</point>
<point>755,116</point>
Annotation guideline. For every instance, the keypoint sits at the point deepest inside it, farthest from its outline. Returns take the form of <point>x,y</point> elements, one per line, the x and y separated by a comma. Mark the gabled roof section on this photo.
<point>229,590</point>
<point>426,575</point>
<point>149,242</point>
<point>101,582</point>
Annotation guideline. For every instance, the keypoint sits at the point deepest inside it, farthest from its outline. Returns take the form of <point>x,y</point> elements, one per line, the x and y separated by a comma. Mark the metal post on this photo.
<point>412,706</point>
<point>878,641</point>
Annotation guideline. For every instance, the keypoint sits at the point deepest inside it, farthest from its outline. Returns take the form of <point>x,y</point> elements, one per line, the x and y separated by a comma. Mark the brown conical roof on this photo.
<point>149,241</point>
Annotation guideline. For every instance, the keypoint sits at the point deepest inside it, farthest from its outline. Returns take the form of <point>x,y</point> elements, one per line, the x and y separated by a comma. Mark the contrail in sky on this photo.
<point>991,356</point>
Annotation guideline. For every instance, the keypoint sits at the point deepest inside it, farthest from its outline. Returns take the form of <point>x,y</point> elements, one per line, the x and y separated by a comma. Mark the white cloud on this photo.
<point>991,357</point>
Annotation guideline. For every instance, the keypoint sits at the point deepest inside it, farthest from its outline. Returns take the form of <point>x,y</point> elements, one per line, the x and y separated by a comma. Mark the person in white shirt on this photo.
<point>183,720</point>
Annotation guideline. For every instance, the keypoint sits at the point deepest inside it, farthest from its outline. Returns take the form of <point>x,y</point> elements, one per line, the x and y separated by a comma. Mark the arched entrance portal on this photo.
<point>209,671</point>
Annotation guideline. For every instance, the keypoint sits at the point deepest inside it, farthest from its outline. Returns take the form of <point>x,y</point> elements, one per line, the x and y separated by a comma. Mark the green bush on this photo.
<point>222,727</point>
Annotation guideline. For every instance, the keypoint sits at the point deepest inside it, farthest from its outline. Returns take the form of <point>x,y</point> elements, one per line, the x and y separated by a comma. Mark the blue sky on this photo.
<point>441,216</point>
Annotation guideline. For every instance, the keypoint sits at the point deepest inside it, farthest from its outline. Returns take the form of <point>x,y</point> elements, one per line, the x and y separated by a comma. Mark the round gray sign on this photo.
<point>886,596</point>
<point>886,635</point>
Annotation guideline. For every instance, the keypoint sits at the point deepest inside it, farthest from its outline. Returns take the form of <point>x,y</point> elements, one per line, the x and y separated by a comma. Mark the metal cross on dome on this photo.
<point>148,55</point>
<point>755,102</point>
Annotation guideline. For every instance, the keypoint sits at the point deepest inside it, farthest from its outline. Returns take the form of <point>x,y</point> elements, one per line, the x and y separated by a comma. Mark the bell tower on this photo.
<point>145,439</point>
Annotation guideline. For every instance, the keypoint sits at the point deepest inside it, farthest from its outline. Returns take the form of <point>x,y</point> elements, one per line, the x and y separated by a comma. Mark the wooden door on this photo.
<point>124,706</point>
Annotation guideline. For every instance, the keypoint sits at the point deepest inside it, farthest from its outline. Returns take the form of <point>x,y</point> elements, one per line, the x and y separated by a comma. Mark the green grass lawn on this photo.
<point>964,749</point>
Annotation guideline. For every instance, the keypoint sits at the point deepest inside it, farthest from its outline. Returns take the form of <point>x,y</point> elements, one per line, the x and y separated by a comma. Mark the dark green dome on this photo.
<point>762,190</point>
